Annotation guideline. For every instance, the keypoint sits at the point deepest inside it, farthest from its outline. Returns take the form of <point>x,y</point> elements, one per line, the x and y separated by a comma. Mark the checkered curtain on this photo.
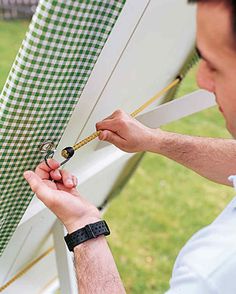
<point>47,78</point>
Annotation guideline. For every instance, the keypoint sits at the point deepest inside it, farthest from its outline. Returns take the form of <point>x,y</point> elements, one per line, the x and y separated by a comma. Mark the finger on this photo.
<point>42,170</point>
<point>116,113</point>
<point>61,186</point>
<point>110,116</point>
<point>43,192</point>
<point>109,124</point>
<point>110,119</point>
<point>55,175</point>
<point>67,179</point>
<point>111,138</point>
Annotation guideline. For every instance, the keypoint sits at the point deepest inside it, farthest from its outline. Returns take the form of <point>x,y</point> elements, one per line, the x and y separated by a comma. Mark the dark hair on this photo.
<point>229,3</point>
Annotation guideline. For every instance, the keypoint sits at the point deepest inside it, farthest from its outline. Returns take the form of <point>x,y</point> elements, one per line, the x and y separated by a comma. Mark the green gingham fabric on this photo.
<point>47,78</point>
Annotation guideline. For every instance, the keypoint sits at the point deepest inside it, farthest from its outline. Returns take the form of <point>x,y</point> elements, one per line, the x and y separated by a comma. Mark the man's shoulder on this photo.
<point>209,257</point>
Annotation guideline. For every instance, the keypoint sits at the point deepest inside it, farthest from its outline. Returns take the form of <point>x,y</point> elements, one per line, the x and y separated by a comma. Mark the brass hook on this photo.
<point>48,147</point>
<point>50,154</point>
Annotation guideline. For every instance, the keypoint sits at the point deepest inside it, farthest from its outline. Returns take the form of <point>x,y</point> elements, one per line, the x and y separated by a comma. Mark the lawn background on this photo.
<point>163,203</point>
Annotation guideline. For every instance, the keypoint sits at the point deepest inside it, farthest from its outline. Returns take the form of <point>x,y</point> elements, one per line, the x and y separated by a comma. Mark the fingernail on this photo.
<point>27,174</point>
<point>69,182</point>
<point>57,173</point>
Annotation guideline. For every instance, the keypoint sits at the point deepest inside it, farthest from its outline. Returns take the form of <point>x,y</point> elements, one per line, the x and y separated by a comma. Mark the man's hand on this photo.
<point>126,132</point>
<point>61,195</point>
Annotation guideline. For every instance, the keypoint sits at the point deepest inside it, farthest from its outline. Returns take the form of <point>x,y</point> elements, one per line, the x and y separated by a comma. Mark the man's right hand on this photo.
<point>126,132</point>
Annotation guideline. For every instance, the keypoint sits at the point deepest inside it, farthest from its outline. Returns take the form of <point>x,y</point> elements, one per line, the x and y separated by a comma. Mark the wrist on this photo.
<point>91,246</point>
<point>86,233</point>
<point>82,222</point>
<point>154,140</point>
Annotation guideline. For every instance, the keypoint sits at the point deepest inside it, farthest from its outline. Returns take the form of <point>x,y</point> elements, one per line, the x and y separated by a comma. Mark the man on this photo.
<point>207,263</point>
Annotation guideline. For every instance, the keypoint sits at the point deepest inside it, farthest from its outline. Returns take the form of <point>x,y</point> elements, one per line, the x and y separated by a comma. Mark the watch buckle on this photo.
<point>89,231</point>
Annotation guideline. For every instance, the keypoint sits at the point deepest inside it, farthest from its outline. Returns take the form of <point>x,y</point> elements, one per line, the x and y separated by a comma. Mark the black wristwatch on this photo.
<point>86,233</point>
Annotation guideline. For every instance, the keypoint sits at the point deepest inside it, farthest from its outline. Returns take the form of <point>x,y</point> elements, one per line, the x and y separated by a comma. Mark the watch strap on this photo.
<point>88,232</point>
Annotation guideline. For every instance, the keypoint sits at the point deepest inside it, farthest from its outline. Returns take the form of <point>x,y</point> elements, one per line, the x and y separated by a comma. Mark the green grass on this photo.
<point>163,203</point>
<point>11,36</point>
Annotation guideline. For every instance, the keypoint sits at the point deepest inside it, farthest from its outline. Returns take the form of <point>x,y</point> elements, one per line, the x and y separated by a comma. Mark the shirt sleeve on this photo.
<point>207,263</point>
<point>186,281</point>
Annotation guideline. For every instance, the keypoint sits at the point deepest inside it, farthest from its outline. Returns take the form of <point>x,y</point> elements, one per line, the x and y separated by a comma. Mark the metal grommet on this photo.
<point>47,146</point>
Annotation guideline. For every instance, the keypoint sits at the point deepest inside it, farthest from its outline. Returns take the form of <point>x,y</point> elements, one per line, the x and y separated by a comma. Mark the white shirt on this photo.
<point>207,263</point>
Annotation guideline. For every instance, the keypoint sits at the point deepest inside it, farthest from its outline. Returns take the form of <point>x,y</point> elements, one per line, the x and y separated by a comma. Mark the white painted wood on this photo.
<point>34,207</point>
<point>36,278</point>
<point>51,288</point>
<point>64,259</point>
<point>30,240</point>
<point>179,108</point>
<point>107,171</point>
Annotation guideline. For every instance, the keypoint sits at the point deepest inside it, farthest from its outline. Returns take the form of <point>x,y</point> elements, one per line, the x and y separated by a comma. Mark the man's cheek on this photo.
<point>231,126</point>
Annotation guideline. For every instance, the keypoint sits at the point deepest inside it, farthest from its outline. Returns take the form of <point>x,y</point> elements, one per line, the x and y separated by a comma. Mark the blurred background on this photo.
<point>17,9</point>
<point>163,203</point>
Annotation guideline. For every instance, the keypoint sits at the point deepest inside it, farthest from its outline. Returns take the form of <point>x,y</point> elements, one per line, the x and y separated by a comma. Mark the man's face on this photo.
<point>217,70</point>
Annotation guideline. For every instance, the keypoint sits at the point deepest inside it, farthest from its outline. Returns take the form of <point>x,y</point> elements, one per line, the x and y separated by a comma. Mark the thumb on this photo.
<point>42,191</point>
<point>111,137</point>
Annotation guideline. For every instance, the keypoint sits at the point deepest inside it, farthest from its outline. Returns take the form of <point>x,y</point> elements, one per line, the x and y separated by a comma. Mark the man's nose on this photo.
<point>205,78</point>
